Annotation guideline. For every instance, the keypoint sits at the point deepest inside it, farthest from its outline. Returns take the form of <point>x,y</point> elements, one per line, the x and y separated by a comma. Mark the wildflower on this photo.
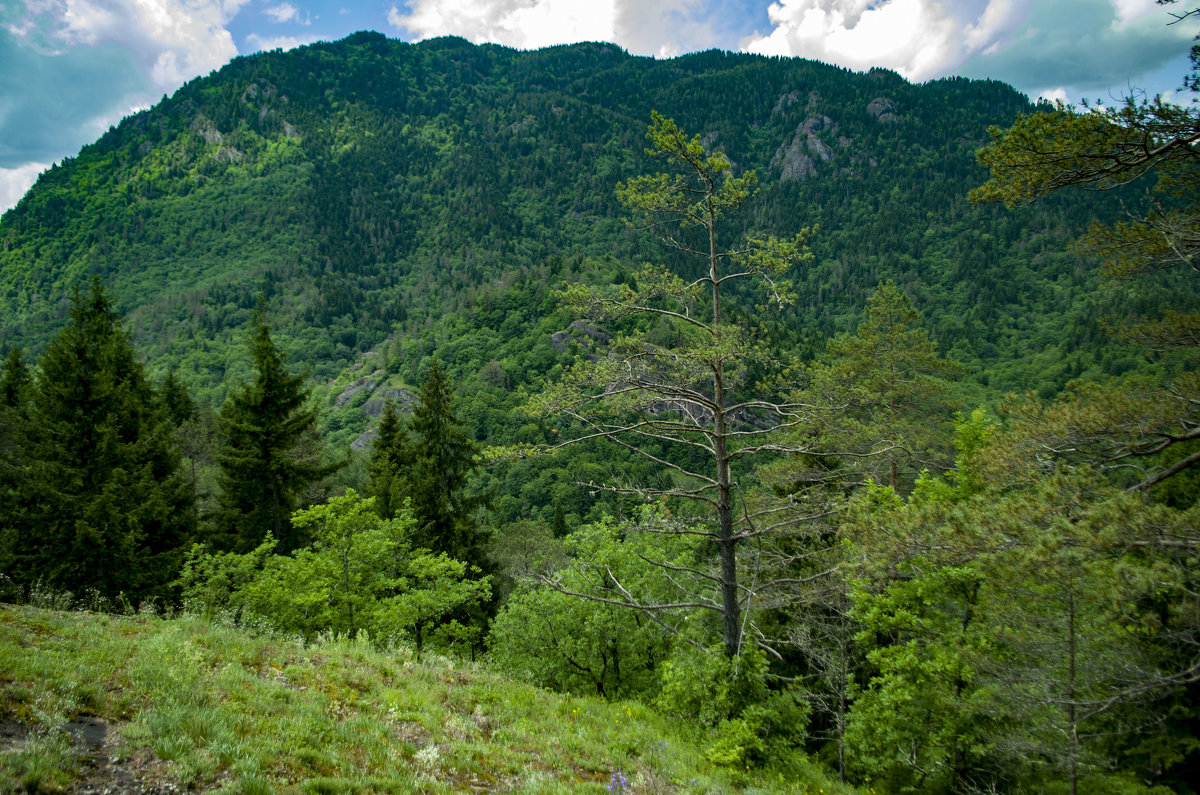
<point>619,782</point>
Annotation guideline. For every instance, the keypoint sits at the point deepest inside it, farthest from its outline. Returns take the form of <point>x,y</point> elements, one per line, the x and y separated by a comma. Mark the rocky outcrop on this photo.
<point>369,384</point>
<point>373,406</point>
<point>582,333</point>
<point>785,102</point>
<point>795,160</point>
<point>883,109</point>
<point>203,126</point>
<point>402,397</point>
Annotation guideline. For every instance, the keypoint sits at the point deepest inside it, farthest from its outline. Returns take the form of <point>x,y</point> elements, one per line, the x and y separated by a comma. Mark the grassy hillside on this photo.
<point>93,703</point>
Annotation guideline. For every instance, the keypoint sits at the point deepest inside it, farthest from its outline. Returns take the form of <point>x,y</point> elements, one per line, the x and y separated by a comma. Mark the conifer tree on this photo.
<point>892,376</point>
<point>443,456</point>
<point>14,389</point>
<point>270,457</point>
<point>389,455</point>
<point>101,502</point>
<point>691,400</point>
<point>15,380</point>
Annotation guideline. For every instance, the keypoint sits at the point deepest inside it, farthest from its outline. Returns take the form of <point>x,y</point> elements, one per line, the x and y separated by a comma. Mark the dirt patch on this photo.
<point>100,771</point>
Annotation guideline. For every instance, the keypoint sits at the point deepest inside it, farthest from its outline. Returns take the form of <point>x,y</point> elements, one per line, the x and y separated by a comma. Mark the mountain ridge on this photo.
<point>367,187</point>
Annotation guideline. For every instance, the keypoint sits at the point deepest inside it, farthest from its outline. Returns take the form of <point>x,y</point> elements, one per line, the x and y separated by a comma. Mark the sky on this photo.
<point>69,69</point>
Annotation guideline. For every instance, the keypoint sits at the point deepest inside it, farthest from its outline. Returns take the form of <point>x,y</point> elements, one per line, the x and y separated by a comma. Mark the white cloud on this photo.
<point>282,12</point>
<point>1056,95</point>
<point>258,42</point>
<point>1129,10</point>
<point>172,40</point>
<point>14,182</point>
<point>525,24</point>
<point>645,27</point>
<point>917,38</point>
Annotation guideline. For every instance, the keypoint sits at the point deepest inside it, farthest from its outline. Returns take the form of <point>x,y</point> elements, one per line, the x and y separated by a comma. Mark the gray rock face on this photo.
<point>817,124</point>
<point>373,407</point>
<point>346,395</point>
<point>883,109</point>
<point>204,127</point>
<point>819,148</point>
<point>795,159</point>
<point>403,399</point>
<point>786,101</point>
<point>583,334</point>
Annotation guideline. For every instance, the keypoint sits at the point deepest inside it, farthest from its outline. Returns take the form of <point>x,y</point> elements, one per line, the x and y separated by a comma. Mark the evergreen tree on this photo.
<point>892,378</point>
<point>14,389</point>
<point>15,380</point>
<point>179,405</point>
<point>271,456</point>
<point>687,401</point>
<point>443,456</point>
<point>390,453</point>
<point>101,503</point>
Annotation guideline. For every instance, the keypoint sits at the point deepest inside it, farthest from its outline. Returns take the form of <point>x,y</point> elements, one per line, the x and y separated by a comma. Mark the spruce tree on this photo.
<point>15,380</point>
<point>390,454</point>
<point>443,456</point>
<point>271,455</point>
<point>99,503</point>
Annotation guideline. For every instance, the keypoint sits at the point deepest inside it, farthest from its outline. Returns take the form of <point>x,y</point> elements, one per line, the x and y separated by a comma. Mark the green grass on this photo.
<point>209,707</point>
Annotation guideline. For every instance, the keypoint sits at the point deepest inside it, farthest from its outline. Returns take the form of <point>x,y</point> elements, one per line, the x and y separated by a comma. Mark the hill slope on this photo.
<point>370,187</point>
<point>93,702</point>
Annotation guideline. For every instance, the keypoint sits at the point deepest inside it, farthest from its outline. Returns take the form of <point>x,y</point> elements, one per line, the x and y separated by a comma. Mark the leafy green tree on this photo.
<point>922,723</point>
<point>680,404</point>
<point>360,573</point>
<point>1013,635</point>
<point>594,645</point>
<point>271,457</point>
<point>100,501</point>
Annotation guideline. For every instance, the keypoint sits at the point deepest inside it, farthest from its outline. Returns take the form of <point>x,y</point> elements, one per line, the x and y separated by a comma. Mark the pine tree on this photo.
<point>893,377</point>
<point>101,503</point>
<point>14,391</point>
<point>179,405</point>
<point>390,453</point>
<point>443,456</point>
<point>271,456</point>
<point>16,378</point>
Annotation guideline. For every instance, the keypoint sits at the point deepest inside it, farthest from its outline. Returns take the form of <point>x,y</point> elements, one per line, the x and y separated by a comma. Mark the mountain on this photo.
<point>405,199</point>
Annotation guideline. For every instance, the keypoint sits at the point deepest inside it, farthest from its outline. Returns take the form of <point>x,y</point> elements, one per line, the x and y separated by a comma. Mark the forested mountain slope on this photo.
<point>370,187</point>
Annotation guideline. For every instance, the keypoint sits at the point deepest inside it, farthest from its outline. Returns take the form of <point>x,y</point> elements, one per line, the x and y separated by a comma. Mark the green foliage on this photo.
<point>360,573</point>
<point>892,382</point>
<point>923,722</point>
<point>390,453</point>
<point>709,689</point>
<point>567,633</point>
<point>972,432</point>
<point>442,456</point>
<point>271,456</point>
<point>93,498</point>
<point>1015,630</point>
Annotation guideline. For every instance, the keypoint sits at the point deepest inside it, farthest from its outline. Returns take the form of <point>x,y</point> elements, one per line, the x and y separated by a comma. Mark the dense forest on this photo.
<point>766,415</point>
